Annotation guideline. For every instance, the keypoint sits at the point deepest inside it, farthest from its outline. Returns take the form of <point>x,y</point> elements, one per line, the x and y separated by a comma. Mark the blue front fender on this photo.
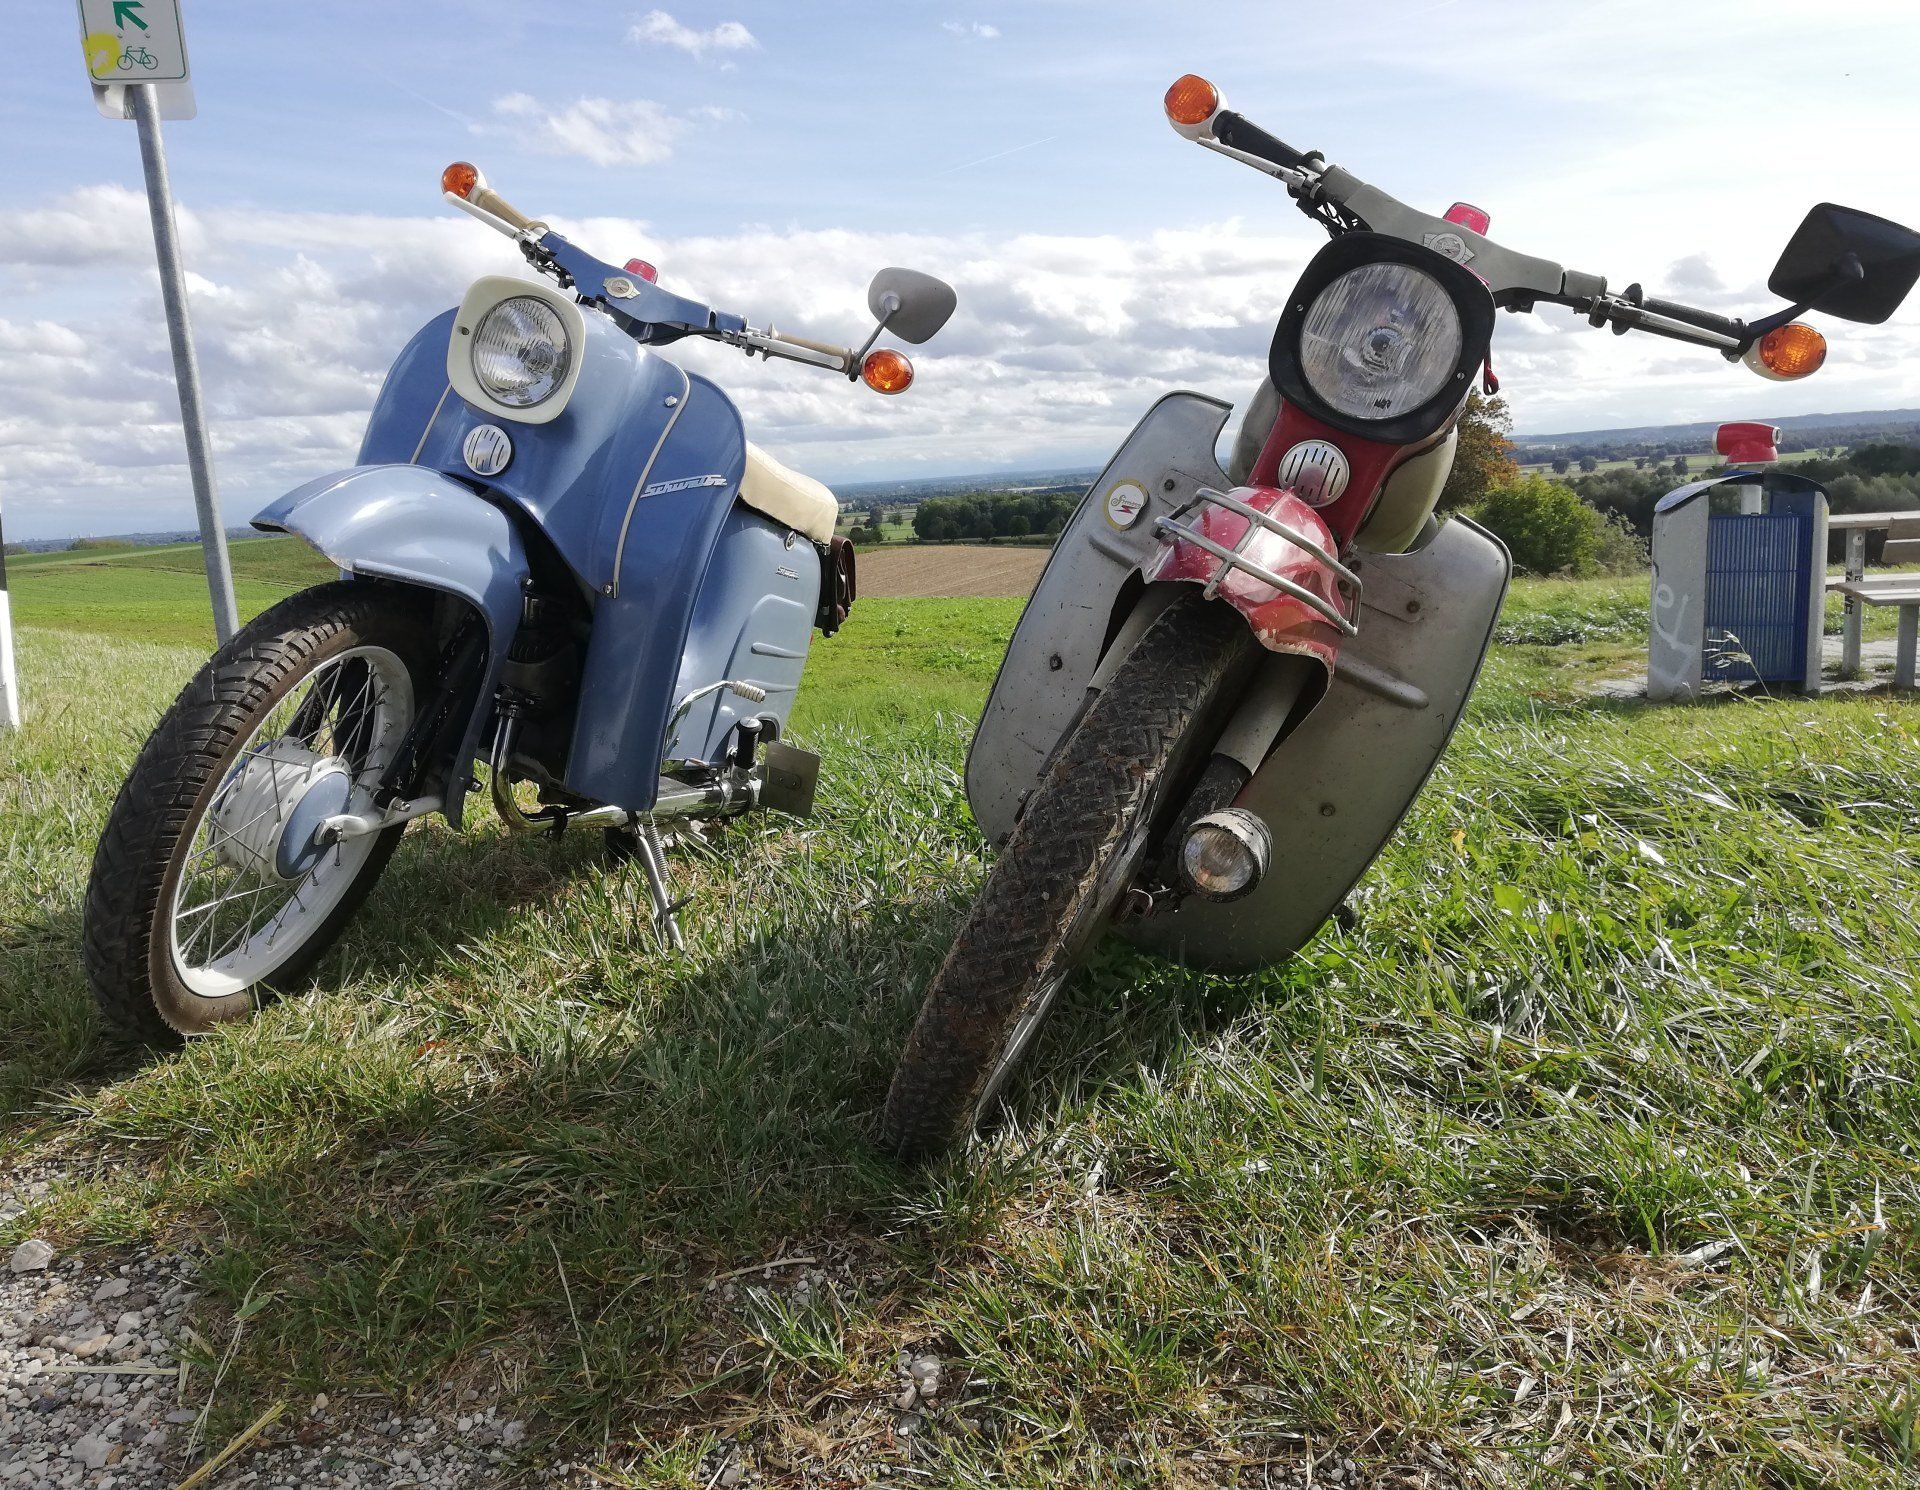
<point>415,525</point>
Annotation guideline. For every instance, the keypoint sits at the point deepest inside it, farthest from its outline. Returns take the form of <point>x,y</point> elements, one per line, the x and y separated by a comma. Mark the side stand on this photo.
<point>643,843</point>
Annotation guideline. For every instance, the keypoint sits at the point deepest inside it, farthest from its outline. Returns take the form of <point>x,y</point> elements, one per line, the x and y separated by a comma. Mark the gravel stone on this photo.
<point>32,1256</point>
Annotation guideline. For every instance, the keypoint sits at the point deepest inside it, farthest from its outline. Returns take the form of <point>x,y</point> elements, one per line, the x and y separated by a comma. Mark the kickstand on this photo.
<point>653,859</point>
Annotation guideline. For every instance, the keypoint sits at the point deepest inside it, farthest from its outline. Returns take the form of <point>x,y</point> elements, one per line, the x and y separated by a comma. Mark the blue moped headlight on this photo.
<point>520,352</point>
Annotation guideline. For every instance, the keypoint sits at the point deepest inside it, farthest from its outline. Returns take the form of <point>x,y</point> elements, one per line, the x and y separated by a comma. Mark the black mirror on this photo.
<point>910,304</point>
<point>1847,263</point>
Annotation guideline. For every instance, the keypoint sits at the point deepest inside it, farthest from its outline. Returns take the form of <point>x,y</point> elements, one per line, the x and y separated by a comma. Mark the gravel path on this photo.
<point>91,1392</point>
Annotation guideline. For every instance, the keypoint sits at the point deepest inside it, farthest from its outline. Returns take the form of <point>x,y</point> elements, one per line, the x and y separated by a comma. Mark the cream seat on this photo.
<point>803,504</point>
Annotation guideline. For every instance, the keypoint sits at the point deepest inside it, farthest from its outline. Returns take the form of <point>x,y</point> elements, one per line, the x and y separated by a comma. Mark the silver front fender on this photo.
<point>1335,789</point>
<point>414,525</point>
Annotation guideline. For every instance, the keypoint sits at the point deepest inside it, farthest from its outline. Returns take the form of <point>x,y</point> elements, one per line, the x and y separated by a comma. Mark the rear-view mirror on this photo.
<point>912,305</point>
<point>1848,263</point>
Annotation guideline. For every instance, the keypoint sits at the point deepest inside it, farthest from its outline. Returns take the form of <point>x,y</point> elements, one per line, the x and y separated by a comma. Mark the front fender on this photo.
<point>1280,621</point>
<point>417,526</point>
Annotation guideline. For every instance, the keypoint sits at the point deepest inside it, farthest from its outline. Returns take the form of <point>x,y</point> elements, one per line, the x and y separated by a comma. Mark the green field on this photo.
<point>1584,1153</point>
<point>1697,463</point>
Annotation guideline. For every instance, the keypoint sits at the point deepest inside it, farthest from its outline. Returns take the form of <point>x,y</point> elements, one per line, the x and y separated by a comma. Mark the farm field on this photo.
<point>1583,1153</point>
<point>1698,462</point>
<point>958,569</point>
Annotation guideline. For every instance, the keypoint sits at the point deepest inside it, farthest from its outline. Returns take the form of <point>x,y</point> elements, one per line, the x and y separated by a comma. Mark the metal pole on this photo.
<point>9,684</point>
<point>186,370</point>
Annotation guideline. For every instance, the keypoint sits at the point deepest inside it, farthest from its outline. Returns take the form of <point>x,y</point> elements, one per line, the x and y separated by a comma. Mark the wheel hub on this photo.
<point>268,815</point>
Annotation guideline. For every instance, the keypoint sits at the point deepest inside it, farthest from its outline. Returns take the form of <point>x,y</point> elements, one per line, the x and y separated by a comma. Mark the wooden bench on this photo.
<point>1862,589</point>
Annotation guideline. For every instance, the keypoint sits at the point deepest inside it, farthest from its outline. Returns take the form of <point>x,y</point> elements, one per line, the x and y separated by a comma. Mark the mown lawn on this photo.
<point>1585,1152</point>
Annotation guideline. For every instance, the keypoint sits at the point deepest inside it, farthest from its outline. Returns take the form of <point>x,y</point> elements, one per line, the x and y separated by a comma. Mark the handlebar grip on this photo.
<point>1240,133</point>
<point>1706,320</point>
<point>489,200</point>
<point>843,353</point>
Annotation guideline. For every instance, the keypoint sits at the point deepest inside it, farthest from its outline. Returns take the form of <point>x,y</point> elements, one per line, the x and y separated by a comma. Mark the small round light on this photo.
<point>1192,100</point>
<point>1380,341</point>
<point>1225,854</point>
<point>887,371</point>
<point>1788,352</point>
<point>520,352</point>
<point>459,179</point>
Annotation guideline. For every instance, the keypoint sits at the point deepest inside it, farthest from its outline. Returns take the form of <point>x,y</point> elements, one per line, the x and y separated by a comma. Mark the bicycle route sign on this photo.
<point>133,41</point>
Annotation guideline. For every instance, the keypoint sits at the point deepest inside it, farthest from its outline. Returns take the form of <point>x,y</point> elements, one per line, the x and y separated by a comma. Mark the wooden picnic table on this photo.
<point>1861,589</point>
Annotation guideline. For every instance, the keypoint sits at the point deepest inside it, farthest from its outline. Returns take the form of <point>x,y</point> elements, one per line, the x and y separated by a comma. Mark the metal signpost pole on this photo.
<point>186,368</point>
<point>9,684</point>
<point>136,57</point>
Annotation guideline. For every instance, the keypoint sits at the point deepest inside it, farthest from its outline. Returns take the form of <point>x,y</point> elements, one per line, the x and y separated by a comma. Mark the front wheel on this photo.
<point>1077,846</point>
<point>211,886</point>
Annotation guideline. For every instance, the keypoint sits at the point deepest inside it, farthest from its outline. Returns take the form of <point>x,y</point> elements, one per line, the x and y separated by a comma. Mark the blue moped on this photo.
<point>558,553</point>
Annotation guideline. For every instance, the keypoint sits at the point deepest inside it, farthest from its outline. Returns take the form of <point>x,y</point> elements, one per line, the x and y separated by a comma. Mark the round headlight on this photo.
<point>1380,341</point>
<point>520,352</point>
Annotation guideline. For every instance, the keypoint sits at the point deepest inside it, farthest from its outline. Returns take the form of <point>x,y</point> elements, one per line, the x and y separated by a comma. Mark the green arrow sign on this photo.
<point>128,10</point>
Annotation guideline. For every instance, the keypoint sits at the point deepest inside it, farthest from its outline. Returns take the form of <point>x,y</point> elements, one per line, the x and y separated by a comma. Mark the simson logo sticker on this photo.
<point>685,483</point>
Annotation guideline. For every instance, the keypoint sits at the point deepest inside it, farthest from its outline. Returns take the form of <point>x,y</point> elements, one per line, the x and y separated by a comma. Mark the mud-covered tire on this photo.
<point>1064,867</point>
<point>128,931</point>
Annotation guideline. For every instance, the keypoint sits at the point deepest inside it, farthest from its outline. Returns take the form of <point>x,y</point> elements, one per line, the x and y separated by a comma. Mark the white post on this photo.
<point>9,683</point>
<point>1850,627</point>
<point>186,369</point>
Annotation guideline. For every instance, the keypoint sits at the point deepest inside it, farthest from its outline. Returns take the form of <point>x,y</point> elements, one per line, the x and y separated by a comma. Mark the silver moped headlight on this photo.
<point>1380,340</point>
<point>521,352</point>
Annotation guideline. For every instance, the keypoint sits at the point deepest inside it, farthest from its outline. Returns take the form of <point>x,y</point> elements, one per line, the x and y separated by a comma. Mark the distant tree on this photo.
<point>1640,463</point>
<point>1019,526</point>
<point>876,517</point>
<point>100,545</point>
<point>1561,465</point>
<point>1589,464</point>
<point>1886,460</point>
<point>1483,459</point>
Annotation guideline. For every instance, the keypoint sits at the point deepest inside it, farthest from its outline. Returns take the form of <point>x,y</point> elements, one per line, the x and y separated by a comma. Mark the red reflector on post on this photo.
<point>645,270</point>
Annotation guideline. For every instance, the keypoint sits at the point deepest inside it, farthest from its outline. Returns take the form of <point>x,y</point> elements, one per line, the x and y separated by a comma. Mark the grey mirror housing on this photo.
<point>909,304</point>
<point>1848,263</point>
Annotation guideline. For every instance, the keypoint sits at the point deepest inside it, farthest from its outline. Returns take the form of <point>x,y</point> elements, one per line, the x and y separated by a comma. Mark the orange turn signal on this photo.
<point>1790,351</point>
<point>1192,100</point>
<point>459,179</point>
<point>887,371</point>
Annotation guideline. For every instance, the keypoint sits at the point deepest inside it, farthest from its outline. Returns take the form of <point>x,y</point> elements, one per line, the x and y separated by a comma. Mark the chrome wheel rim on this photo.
<point>255,885</point>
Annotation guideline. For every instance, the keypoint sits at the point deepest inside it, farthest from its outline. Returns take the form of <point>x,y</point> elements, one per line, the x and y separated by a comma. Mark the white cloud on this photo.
<point>1061,343</point>
<point>657,28</point>
<point>972,30</point>
<point>605,131</point>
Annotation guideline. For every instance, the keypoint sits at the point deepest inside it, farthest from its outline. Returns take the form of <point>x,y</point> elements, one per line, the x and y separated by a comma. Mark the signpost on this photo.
<point>9,684</point>
<point>137,61</point>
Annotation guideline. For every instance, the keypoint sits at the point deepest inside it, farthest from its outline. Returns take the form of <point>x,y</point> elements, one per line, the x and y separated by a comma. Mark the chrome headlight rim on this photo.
<point>1471,300</point>
<point>521,352</point>
<point>483,297</point>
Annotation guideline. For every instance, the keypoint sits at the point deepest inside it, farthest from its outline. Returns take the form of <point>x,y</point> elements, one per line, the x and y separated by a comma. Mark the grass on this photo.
<point>1586,1150</point>
<point>154,594</point>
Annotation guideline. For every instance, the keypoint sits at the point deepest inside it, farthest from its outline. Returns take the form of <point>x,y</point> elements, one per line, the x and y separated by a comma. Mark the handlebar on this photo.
<point>1342,202</point>
<point>649,313</point>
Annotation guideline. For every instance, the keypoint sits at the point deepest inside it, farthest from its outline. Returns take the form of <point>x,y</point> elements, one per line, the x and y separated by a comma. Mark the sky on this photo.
<point>770,155</point>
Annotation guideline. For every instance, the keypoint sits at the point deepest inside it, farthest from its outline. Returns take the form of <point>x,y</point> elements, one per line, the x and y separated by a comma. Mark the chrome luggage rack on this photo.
<point>1233,558</point>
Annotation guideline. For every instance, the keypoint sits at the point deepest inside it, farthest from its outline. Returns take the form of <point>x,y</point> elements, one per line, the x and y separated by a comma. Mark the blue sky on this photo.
<point>771,155</point>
